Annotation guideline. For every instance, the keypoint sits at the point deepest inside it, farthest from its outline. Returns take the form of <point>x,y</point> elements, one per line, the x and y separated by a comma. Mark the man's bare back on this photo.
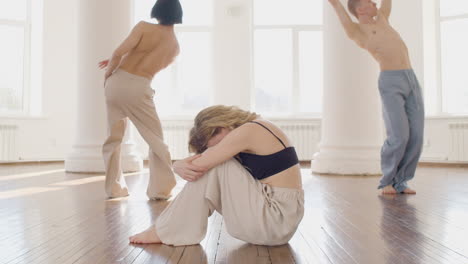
<point>147,50</point>
<point>375,34</point>
<point>156,50</point>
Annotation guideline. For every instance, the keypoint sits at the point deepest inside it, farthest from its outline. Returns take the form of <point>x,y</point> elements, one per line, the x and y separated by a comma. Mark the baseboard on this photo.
<point>30,162</point>
<point>305,164</point>
<point>444,164</point>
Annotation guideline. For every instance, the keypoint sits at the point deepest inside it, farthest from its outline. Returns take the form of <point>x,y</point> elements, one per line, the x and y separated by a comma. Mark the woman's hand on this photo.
<point>103,64</point>
<point>106,76</point>
<point>189,172</point>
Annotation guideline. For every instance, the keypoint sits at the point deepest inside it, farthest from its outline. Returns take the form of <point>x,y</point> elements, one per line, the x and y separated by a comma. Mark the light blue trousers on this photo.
<point>403,113</point>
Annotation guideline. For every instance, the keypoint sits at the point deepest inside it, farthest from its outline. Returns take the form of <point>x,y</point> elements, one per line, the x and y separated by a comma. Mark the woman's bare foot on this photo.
<point>409,191</point>
<point>117,191</point>
<point>146,237</point>
<point>388,190</point>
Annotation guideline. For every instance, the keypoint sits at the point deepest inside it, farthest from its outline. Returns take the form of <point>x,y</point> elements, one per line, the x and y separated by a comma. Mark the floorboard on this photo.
<point>50,216</point>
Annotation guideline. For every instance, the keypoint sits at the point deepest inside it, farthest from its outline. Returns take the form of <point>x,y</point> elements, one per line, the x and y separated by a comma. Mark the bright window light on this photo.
<point>185,87</point>
<point>454,55</point>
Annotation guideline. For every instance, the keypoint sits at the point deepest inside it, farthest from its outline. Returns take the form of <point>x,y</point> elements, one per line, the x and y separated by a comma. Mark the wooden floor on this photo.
<point>49,216</point>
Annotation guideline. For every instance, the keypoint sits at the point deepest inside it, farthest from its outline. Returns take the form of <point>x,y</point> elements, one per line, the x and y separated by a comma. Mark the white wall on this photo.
<point>49,136</point>
<point>414,20</point>
<point>232,56</point>
<point>407,19</point>
<point>438,139</point>
<point>431,65</point>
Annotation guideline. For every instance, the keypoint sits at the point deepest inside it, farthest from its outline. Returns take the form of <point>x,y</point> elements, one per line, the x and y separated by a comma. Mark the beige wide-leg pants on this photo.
<point>253,212</point>
<point>131,96</point>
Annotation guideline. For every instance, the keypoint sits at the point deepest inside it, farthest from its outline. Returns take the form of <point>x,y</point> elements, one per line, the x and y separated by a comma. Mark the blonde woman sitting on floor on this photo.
<point>246,170</point>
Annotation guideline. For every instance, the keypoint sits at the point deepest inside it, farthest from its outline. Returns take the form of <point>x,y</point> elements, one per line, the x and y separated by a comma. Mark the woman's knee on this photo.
<point>229,167</point>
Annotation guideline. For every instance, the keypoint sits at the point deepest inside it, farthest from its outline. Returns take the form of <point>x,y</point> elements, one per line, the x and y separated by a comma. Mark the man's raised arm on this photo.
<point>351,28</point>
<point>386,8</point>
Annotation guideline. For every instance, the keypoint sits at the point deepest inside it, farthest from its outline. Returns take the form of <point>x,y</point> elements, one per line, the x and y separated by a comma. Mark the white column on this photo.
<point>232,52</point>
<point>103,25</point>
<point>352,120</point>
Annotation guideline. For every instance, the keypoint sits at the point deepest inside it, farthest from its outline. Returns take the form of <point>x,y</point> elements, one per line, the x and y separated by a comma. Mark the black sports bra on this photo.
<point>264,166</point>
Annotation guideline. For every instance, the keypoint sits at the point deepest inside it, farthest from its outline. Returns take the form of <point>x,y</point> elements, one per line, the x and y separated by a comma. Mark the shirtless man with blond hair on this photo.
<point>402,101</point>
<point>147,50</point>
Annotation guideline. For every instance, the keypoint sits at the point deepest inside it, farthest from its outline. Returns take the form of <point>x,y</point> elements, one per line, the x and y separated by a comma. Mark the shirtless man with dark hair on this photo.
<point>148,49</point>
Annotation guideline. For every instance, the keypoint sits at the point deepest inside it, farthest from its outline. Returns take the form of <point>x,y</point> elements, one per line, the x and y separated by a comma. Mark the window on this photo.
<point>453,56</point>
<point>288,56</point>
<point>20,51</point>
<point>185,87</point>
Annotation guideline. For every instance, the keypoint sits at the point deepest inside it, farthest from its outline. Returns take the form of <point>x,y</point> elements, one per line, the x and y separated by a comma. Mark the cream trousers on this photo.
<point>131,96</point>
<point>253,212</point>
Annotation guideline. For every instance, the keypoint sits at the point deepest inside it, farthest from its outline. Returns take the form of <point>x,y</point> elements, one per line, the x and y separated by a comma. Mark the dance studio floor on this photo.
<point>49,216</point>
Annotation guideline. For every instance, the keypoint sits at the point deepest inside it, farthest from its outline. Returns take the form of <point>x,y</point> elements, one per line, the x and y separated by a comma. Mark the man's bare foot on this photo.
<point>388,190</point>
<point>146,237</point>
<point>120,195</point>
<point>409,191</point>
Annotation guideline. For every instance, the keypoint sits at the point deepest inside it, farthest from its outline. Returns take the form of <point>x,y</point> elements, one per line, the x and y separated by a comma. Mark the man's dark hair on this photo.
<point>167,12</point>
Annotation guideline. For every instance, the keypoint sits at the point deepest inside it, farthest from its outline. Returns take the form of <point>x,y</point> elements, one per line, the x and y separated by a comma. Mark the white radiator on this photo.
<point>8,142</point>
<point>305,136</point>
<point>176,135</point>
<point>459,142</point>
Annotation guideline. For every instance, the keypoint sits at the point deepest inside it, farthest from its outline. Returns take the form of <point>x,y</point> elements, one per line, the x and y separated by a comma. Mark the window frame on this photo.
<point>440,87</point>
<point>26,25</point>
<point>295,92</point>
<point>175,69</point>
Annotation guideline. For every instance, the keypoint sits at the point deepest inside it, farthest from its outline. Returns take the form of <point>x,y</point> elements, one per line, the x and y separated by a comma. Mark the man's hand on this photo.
<point>333,2</point>
<point>189,172</point>
<point>103,64</point>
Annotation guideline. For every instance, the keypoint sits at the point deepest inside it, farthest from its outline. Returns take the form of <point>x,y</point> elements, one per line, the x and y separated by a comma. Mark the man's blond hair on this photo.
<point>352,6</point>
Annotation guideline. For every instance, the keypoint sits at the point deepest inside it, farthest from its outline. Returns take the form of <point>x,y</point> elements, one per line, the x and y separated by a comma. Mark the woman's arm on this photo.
<point>127,45</point>
<point>192,168</point>
<point>236,141</point>
<point>185,169</point>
